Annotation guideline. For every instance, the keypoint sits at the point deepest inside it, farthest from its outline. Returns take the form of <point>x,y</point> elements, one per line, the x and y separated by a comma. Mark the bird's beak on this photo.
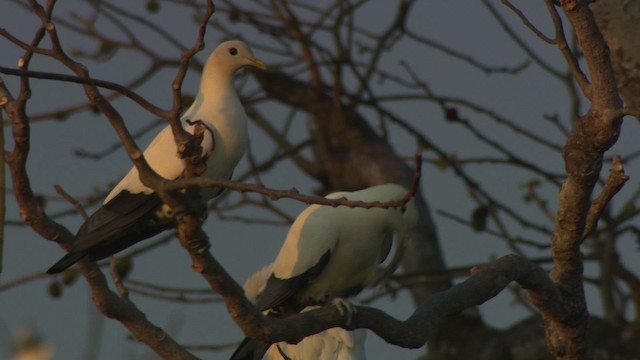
<point>257,63</point>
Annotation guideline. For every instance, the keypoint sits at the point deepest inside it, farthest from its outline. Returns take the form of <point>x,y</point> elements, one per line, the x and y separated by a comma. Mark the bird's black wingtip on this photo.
<point>64,263</point>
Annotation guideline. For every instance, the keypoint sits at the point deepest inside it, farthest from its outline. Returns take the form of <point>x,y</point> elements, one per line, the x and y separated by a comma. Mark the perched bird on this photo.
<point>331,344</point>
<point>331,254</point>
<point>133,212</point>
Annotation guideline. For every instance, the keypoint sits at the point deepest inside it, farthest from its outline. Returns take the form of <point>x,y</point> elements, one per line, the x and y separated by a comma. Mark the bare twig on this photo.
<point>565,50</point>
<point>22,280</point>
<point>520,42</point>
<point>305,47</point>
<point>98,155</point>
<point>182,137</point>
<point>293,193</point>
<point>528,23</point>
<point>614,183</point>
<point>168,289</point>
<point>124,90</point>
<point>117,279</point>
<point>179,298</point>
<point>496,234</point>
<point>633,283</point>
<point>487,69</point>
<point>71,201</point>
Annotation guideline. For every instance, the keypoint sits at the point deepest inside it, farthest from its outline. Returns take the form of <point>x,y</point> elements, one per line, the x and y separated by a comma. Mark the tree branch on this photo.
<point>124,90</point>
<point>614,183</point>
<point>293,193</point>
<point>485,283</point>
<point>592,135</point>
<point>187,148</point>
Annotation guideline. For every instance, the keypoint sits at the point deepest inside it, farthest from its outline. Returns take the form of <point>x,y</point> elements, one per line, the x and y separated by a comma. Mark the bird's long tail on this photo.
<point>66,261</point>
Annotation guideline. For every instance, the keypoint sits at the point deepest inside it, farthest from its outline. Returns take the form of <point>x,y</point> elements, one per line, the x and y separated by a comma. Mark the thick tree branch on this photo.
<point>592,135</point>
<point>617,20</point>
<point>596,54</point>
<point>485,283</point>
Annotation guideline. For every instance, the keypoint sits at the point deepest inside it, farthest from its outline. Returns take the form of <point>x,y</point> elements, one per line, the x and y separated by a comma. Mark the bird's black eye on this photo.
<point>403,209</point>
<point>233,51</point>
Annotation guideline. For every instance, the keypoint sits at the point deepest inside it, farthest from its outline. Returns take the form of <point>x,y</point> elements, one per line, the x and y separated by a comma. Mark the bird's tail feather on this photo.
<point>66,261</point>
<point>250,349</point>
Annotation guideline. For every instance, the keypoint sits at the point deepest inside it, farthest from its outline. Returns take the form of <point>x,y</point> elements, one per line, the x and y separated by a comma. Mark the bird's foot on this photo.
<point>345,308</point>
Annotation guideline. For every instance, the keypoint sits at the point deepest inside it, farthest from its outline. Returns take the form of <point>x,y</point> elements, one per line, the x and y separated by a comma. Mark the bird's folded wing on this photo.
<point>115,217</point>
<point>277,291</point>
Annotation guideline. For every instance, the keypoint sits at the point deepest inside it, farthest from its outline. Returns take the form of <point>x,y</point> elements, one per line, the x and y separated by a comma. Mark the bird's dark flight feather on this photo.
<point>123,221</point>
<point>250,349</point>
<point>278,291</point>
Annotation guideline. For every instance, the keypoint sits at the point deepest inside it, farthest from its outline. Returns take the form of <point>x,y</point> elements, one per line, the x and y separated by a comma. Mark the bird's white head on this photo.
<point>217,76</point>
<point>230,56</point>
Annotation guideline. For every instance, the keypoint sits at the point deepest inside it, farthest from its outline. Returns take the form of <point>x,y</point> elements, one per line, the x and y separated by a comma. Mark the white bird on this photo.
<point>133,212</point>
<point>331,344</point>
<point>333,253</point>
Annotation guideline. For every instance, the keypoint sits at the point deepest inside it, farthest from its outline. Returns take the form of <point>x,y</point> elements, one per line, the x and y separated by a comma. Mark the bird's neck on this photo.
<point>215,95</point>
<point>216,80</point>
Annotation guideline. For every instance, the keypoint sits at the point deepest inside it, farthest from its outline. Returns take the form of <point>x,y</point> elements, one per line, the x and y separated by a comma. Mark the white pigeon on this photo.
<point>331,344</point>
<point>133,212</point>
<point>333,253</point>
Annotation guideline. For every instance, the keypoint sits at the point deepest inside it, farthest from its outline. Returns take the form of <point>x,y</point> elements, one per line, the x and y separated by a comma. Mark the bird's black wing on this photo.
<point>118,224</point>
<point>131,216</point>
<point>278,291</point>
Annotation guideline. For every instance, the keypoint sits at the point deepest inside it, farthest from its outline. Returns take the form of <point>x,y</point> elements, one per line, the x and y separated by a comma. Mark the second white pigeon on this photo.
<point>331,254</point>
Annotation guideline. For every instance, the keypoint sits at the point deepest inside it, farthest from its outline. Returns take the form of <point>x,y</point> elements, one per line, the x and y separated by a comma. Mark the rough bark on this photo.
<point>618,21</point>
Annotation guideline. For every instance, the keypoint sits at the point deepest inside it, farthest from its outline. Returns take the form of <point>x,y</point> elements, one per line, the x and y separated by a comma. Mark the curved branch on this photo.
<point>485,283</point>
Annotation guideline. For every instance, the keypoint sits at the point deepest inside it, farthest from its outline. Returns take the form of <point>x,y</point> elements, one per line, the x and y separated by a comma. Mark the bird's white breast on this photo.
<point>225,118</point>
